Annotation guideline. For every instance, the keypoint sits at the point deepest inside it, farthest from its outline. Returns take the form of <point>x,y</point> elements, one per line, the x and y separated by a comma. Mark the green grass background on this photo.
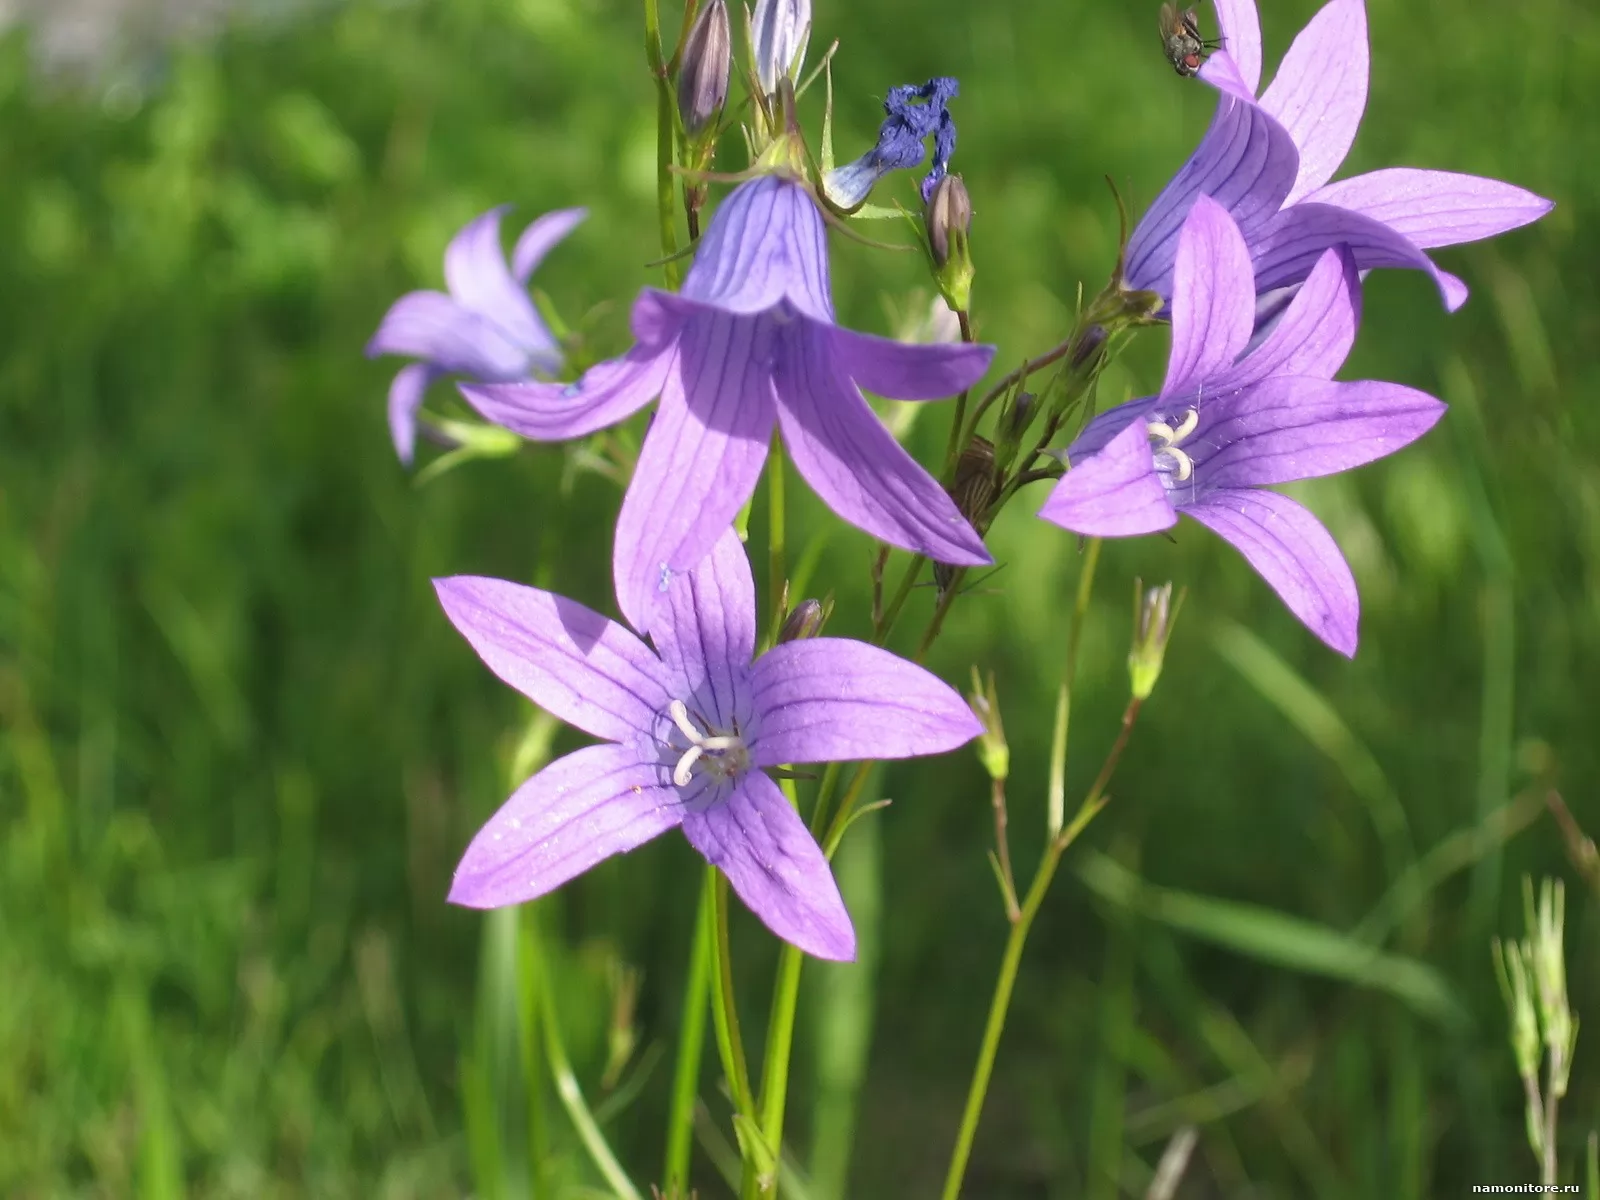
<point>241,750</point>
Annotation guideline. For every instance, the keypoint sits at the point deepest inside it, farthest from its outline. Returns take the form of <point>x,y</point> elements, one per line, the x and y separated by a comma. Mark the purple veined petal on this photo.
<point>902,371</point>
<point>432,326</point>
<point>706,627</point>
<point>578,811</point>
<point>1298,558</point>
<point>700,461</point>
<point>405,400</point>
<point>1320,91</point>
<point>776,867</point>
<point>766,244</point>
<point>475,271</point>
<point>1246,162</point>
<point>1098,433</point>
<point>835,700</point>
<point>658,317</point>
<point>539,238</point>
<point>1287,428</point>
<point>1286,249</point>
<point>1222,73</point>
<point>569,660</point>
<point>609,392</point>
<point>1436,208</point>
<point>1115,493</point>
<point>1315,330</point>
<point>853,463</point>
<point>1213,298</point>
<point>1241,38</point>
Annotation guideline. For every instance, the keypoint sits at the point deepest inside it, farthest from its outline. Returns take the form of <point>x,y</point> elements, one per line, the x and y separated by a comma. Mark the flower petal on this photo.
<point>434,327</point>
<point>843,451</point>
<point>609,392</point>
<point>902,371</point>
<point>1241,38</point>
<point>567,659</point>
<point>775,865</point>
<point>1246,162</point>
<point>1314,332</point>
<point>1320,91</point>
<point>836,700</point>
<point>1436,208</point>
<point>766,243</point>
<point>1288,428</point>
<point>1114,493</point>
<point>1287,247</point>
<point>405,399</point>
<point>1297,557</point>
<point>475,271</point>
<point>1213,298</point>
<point>579,810</point>
<point>540,237</point>
<point>701,459</point>
<point>706,627</point>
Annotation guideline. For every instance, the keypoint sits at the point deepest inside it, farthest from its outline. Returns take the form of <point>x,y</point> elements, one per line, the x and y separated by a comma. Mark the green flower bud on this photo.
<point>805,620</point>
<point>948,218</point>
<point>993,752</point>
<point>1153,616</point>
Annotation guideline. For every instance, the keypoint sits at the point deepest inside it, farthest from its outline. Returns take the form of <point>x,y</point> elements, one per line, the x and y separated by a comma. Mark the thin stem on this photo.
<point>1012,959</point>
<point>902,593</point>
<point>666,135</point>
<point>1547,1173</point>
<point>1002,843</point>
<point>777,570</point>
<point>952,450</point>
<point>1055,800</point>
<point>594,1141</point>
<point>775,1071</point>
<point>726,1015</point>
<point>1054,354</point>
<point>691,1041</point>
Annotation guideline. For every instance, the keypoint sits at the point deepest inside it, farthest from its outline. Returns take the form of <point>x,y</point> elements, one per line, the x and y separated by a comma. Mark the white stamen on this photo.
<point>1167,439</point>
<point>680,773</point>
<point>679,712</point>
<point>1190,420</point>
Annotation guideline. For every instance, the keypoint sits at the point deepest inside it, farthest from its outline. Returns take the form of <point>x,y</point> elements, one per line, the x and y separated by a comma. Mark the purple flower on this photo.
<point>748,343</point>
<point>485,328</point>
<point>1268,162</point>
<point>689,730</point>
<point>912,115</point>
<point>1225,425</point>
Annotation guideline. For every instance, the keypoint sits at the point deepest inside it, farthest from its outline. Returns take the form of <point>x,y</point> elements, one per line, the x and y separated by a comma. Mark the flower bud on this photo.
<point>804,621</point>
<point>993,752</point>
<point>1153,617</point>
<point>707,56</point>
<point>780,30</point>
<point>948,217</point>
<point>949,212</point>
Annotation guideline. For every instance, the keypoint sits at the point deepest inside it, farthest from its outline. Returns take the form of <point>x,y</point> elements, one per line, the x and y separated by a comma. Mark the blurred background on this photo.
<point>241,750</point>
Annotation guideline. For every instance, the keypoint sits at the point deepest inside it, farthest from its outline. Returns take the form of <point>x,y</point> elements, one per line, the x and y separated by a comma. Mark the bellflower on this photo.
<point>1269,162</point>
<point>1227,422</point>
<point>485,328</point>
<point>751,342</point>
<point>912,114</point>
<point>689,731</point>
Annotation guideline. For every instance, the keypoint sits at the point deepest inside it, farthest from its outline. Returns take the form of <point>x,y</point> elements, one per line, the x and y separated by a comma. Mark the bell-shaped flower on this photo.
<point>689,731</point>
<point>1269,162</point>
<point>751,342</point>
<point>484,328</point>
<point>1229,422</point>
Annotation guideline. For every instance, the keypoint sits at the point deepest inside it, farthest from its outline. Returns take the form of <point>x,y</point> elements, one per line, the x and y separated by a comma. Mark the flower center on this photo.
<point>1165,440</point>
<point>724,754</point>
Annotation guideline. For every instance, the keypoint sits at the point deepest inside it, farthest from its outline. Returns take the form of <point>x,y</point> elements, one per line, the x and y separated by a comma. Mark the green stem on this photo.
<point>775,1070</point>
<point>777,570</point>
<point>723,1010</point>
<point>691,1041</point>
<point>892,613</point>
<point>1012,959</point>
<point>952,449</point>
<point>666,135</point>
<point>594,1141</point>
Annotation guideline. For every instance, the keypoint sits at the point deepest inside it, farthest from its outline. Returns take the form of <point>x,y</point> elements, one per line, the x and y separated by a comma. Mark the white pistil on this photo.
<point>1168,440</point>
<point>701,744</point>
